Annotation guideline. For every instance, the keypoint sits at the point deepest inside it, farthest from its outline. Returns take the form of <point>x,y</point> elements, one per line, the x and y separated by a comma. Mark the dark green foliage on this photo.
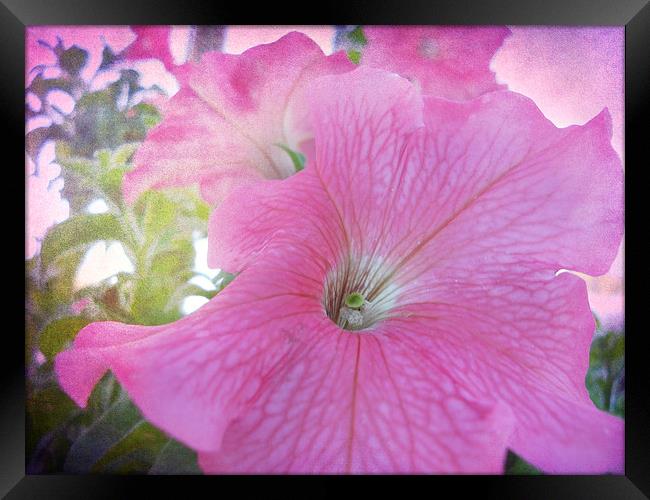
<point>100,121</point>
<point>94,146</point>
<point>78,231</point>
<point>515,465</point>
<point>357,36</point>
<point>59,333</point>
<point>606,376</point>
<point>73,60</point>
<point>174,458</point>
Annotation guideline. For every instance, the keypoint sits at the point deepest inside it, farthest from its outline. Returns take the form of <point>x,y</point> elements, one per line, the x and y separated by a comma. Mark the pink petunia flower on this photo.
<point>397,307</point>
<point>445,61</point>
<point>152,42</point>
<point>225,125</point>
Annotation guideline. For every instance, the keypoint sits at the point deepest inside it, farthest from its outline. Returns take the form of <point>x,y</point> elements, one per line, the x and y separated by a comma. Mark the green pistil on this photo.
<point>354,300</point>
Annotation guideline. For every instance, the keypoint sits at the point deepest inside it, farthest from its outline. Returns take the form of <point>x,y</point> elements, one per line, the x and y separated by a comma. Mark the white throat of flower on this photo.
<point>359,293</point>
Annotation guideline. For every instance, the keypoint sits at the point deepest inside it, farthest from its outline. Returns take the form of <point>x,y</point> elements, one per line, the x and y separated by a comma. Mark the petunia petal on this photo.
<point>508,184</point>
<point>231,114</point>
<point>491,176</point>
<point>564,437</point>
<point>262,366</point>
<point>469,211</point>
<point>362,404</point>
<point>522,337</point>
<point>508,199</point>
<point>295,212</point>
<point>484,207</point>
<point>192,142</point>
<point>363,120</point>
<point>152,42</point>
<point>191,377</point>
<point>451,61</point>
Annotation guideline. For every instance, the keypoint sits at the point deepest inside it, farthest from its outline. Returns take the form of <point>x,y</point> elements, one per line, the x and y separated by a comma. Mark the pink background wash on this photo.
<point>570,73</point>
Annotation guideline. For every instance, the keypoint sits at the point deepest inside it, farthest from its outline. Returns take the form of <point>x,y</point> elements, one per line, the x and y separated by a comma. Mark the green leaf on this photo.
<point>137,461</point>
<point>48,453</point>
<point>98,122</point>
<point>202,210</point>
<point>297,158</point>
<point>104,171</point>
<point>159,213</point>
<point>174,458</point>
<point>515,465</point>
<point>121,441</point>
<point>80,230</point>
<point>103,396</point>
<point>108,58</point>
<point>122,155</point>
<point>38,136</point>
<point>73,60</point>
<point>147,114</point>
<point>191,289</point>
<point>121,418</point>
<point>618,406</point>
<point>357,36</point>
<point>154,294</point>
<point>57,334</point>
<point>606,374</point>
<point>192,210</point>
<point>177,260</point>
<point>47,410</point>
<point>110,182</point>
<point>136,452</point>
<point>41,86</point>
<point>31,327</point>
<point>223,279</point>
<point>354,56</point>
<point>58,288</point>
<point>79,191</point>
<point>78,165</point>
<point>103,157</point>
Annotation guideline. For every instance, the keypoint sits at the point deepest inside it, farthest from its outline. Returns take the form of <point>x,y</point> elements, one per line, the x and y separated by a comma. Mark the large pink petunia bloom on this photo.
<point>445,61</point>
<point>225,125</point>
<point>449,220</point>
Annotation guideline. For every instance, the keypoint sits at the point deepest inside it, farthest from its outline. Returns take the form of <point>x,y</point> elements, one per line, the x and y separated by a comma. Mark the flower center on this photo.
<point>355,300</point>
<point>428,48</point>
<point>359,293</point>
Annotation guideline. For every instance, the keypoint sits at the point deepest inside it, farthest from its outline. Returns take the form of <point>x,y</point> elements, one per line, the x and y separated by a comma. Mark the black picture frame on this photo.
<point>15,15</point>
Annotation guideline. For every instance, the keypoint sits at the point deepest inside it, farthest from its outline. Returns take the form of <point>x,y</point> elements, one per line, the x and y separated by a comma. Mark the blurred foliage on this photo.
<point>94,146</point>
<point>205,39</point>
<point>351,39</point>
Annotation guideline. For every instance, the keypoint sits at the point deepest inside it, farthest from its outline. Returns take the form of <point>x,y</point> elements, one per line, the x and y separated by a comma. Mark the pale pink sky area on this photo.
<point>570,73</point>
